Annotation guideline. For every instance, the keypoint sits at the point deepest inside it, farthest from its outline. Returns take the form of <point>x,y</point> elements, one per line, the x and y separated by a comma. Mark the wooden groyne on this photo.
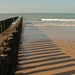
<point>9,44</point>
<point>4,24</point>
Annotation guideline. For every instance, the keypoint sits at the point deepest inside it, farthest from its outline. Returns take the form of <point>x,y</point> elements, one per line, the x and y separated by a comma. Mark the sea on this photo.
<point>44,19</point>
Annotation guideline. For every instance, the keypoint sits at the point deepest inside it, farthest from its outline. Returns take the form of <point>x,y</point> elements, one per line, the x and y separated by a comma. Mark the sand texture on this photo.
<point>63,37</point>
<point>44,53</point>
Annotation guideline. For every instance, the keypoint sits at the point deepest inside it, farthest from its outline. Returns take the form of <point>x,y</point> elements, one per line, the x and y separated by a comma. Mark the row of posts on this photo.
<point>9,48</point>
<point>4,24</point>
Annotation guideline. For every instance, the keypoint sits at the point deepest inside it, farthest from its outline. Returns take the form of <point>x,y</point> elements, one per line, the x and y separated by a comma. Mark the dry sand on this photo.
<point>63,37</point>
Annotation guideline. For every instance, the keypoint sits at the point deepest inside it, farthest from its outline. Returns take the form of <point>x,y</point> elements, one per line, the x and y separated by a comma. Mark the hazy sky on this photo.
<point>37,6</point>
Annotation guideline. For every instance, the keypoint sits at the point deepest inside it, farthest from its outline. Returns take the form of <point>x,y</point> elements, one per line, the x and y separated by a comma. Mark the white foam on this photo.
<point>53,24</point>
<point>42,19</point>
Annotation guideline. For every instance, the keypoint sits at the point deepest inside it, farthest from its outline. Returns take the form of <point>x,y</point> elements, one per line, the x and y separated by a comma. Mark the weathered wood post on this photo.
<point>9,45</point>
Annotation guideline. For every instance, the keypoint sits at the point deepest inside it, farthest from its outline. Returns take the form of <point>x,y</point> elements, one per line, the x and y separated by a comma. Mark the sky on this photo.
<point>37,6</point>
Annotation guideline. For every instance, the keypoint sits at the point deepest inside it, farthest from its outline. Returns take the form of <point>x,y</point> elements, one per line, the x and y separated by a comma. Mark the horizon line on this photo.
<point>32,12</point>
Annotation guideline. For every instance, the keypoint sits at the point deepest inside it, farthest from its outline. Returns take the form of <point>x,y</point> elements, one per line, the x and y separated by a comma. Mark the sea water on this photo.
<point>44,19</point>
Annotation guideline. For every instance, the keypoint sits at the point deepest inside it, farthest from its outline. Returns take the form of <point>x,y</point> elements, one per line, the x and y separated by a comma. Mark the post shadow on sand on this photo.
<point>54,68</point>
<point>52,56</point>
<point>39,50</point>
<point>63,73</point>
<point>61,55</point>
<point>47,63</point>
<point>22,59</point>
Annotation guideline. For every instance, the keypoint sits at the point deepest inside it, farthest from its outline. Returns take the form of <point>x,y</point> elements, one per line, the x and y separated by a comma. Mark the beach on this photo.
<point>63,37</point>
<point>46,50</point>
<point>47,47</point>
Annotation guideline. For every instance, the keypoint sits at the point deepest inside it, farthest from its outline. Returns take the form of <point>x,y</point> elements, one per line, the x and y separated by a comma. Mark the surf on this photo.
<point>43,19</point>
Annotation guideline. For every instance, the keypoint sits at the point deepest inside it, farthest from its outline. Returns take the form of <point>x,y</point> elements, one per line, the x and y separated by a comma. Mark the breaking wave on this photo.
<point>54,23</point>
<point>42,19</point>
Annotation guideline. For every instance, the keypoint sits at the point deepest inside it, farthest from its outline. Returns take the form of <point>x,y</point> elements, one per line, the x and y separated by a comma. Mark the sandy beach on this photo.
<point>46,50</point>
<point>63,37</point>
<point>38,37</point>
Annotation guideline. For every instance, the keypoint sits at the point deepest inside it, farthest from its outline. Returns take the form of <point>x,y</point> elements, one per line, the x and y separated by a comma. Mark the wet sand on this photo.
<point>41,52</point>
<point>63,37</point>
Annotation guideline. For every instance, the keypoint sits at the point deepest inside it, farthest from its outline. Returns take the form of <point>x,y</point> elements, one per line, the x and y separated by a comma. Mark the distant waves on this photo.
<point>50,22</point>
<point>54,23</point>
<point>43,19</point>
